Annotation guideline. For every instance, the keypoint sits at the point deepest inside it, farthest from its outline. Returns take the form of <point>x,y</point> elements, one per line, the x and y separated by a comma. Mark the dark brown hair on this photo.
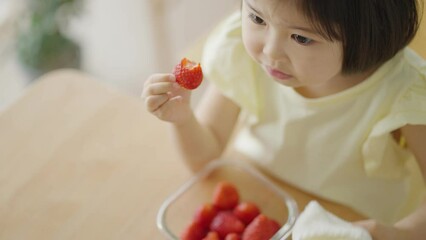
<point>371,31</point>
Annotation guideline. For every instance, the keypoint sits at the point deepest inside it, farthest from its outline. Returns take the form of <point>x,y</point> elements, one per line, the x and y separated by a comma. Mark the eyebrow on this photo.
<point>310,30</point>
<point>306,29</point>
<point>251,7</point>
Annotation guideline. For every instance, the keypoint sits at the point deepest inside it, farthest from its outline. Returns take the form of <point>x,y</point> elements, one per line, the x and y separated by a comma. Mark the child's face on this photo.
<point>282,41</point>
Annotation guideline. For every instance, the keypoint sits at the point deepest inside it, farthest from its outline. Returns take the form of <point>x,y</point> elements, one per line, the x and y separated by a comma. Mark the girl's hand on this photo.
<point>164,98</point>
<point>382,232</point>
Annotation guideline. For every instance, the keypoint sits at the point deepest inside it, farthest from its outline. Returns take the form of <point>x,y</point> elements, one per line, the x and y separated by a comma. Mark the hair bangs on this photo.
<point>324,16</point>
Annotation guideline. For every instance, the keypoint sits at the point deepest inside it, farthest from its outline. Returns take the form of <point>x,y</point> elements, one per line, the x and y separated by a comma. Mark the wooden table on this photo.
<point>79,160</point>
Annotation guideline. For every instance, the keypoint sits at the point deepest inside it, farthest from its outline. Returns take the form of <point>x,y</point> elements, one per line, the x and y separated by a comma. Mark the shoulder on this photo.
<point>401,107</point>
<point>415,61</point>
<point>228,66</point>
<point>413,103</point>
<point>224,44</point>
<point>410,101</point>
<point>227,30</point>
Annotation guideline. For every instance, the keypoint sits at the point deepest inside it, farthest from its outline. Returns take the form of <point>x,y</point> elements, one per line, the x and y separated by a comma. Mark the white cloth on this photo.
<point>316,223</point>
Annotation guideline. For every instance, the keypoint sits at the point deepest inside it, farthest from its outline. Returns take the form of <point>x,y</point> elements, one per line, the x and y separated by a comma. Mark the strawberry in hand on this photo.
<point>188,74</point>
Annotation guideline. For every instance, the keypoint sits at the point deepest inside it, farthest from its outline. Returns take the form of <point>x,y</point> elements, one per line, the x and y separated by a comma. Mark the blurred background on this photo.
<point>119,42</point>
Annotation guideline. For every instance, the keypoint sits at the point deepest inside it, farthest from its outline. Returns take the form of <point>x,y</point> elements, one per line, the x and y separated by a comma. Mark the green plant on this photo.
<point>41,45</point>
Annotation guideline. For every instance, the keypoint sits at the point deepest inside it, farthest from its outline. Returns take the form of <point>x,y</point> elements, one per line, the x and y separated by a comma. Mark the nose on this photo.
<point>274,47</point>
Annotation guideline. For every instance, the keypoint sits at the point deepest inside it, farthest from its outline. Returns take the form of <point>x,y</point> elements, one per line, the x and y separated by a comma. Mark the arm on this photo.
<point>205,135</point>
<point>413,227</point>
<point>416,139</point>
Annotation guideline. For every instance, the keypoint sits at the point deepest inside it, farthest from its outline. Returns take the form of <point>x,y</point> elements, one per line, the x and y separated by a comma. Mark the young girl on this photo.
<point>329,97</point>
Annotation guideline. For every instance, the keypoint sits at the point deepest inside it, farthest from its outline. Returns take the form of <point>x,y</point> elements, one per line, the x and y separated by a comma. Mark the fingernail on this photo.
<point>172,77</point>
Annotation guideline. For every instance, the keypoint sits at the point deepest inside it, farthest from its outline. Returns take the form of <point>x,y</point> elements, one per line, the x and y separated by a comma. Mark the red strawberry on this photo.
<point>188,74</point>
<point>246,212</point>
<point>261,228</point>
<point>193,231</point>
<point>205,214</point>
<point>212,236</point>
<point>232,236</point>
<point>225,222</point>
<point>225,196</point>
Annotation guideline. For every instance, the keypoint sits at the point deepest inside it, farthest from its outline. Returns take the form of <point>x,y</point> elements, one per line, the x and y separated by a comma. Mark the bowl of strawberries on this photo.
<point>228,201</point>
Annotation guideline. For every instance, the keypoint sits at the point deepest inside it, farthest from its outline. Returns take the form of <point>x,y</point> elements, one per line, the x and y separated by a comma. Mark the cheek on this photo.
<point>252,44</point>
<point>318,64</point>
<point>331,63</point>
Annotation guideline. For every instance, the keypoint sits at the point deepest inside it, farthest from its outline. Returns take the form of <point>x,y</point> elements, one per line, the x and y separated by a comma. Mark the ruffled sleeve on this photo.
<point>383,156</point>
<point>227,65</point>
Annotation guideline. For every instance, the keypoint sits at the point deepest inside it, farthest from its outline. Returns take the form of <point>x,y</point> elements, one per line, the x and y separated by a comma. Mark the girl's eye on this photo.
<point>256,19</point>
<point>301,39</point>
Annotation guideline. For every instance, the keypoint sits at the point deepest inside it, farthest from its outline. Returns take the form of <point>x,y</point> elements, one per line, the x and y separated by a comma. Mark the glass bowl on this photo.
<point>179,208</point>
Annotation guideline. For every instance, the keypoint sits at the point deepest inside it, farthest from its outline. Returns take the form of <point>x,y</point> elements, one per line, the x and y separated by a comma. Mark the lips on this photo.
<point>277,73</point>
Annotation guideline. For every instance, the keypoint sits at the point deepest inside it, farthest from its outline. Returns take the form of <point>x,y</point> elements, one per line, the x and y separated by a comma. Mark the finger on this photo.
<point>160,88</point>
<point>172,103</point>
<point>174,110</point>
<point>160,77</point>
<point>153,103</point>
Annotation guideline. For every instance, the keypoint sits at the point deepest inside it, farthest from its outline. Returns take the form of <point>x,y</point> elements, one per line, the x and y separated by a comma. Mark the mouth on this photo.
<point>277,73</point>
